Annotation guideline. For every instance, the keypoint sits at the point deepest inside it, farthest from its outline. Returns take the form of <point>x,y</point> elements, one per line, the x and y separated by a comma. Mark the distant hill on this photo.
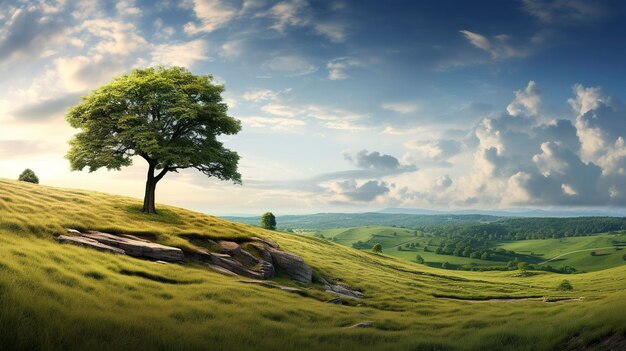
<point>341,220</point>
<point>514,212</point>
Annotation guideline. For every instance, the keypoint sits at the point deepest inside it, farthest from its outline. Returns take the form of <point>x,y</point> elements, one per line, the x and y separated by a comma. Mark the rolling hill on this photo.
<point>62,297</point>
<point>321,221</point>
<point>575,251</point>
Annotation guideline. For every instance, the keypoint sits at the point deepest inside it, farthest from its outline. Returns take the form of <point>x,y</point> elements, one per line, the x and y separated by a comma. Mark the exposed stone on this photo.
<point>86,242</point>
<point>335,301</point>
<point>227,262</point>
<point>137,247</point>
<point>266,242</point>
<point>292,264</point>
<point>228,246</point>
<point>260,248</point>
<point>73,231</point>
<point>365,324</point>
<point>343,290</point>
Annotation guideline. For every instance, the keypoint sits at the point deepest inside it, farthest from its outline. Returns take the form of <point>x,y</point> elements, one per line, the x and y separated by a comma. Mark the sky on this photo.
<point>346,106</point>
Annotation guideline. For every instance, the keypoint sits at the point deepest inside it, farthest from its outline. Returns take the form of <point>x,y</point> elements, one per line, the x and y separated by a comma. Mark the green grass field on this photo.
<point>576,251</point>
<point>542,250</point>
<point>61,297</point>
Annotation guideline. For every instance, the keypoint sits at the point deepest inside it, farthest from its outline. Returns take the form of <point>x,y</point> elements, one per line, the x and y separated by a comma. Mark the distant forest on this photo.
<point>530,228</point>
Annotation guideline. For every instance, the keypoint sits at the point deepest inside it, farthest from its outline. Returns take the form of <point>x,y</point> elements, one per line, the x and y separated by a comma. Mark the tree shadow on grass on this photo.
<point>163,215</point>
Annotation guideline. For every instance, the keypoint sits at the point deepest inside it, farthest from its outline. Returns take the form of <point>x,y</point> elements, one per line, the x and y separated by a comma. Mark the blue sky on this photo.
<point>345,105</point>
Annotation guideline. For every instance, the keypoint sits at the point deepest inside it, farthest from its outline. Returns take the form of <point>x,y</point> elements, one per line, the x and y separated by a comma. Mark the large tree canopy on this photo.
<point>168,116</point>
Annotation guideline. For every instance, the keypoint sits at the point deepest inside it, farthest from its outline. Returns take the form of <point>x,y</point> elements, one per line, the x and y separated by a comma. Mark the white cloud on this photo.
<point>289,13</point>
<point>260,95</point>
<point>212,15</point>
<point>330,117</point>
<point>586,98</point>
<point>498,47</point>
<point>337,67</point>
<point>281,110</point>
<point>526,101</point>
<point>438,150</point>
<point>127,7</point>
<point>273,123</point>
<point>115,37</point>
<point>184,54</point>
<point>400,107</point>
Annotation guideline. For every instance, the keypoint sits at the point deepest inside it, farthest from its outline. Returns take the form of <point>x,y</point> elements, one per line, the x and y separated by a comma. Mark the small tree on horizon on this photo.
<point>28,176</point>
<point>268,221</point>
<point>169,117</point>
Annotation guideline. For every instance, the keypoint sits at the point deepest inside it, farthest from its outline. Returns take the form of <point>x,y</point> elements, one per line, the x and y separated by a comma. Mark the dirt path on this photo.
<point>571,252</point>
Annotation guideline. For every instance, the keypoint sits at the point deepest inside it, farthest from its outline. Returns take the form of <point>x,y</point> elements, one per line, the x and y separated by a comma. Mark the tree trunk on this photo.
<point>148,199</point>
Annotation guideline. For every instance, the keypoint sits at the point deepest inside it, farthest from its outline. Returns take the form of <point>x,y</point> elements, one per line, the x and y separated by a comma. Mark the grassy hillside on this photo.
<point>62,297</point>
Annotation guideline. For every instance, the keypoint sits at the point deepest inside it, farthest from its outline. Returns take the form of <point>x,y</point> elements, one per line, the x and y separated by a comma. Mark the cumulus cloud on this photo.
<point>436,151</point>
<point>526,101</point>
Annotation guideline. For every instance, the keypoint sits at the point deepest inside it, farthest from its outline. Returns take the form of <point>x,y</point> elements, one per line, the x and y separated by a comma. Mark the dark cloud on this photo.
<point>46,109</point>
<point>27,31</point>
<point>365,192</point>
<point>375,160</point>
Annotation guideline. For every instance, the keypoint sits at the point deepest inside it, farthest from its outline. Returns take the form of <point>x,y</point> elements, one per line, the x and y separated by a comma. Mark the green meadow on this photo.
<point>62,297</point>
<point>575,251</point>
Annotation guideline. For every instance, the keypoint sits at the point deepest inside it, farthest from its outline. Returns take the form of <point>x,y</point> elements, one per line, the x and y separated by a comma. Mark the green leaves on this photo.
<point>168,116</point>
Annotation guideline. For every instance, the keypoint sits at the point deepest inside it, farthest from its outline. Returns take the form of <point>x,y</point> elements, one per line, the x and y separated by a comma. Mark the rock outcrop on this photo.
<point>256,258</point>
<point>86,242</point>
<point>125,244</point>
<point>341,289</point>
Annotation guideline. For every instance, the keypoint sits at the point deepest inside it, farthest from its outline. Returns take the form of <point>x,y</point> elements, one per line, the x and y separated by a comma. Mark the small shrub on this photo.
<point>28,176</point>
<point>565,286</point>
<point>419,259</point>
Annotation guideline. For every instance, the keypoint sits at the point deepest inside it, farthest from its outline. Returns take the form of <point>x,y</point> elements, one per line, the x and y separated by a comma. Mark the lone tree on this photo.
<point>168,116</point>
<point>378,248</point>
<point>268,221</point>
<point>28,176</point>
<point>419,259</point>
